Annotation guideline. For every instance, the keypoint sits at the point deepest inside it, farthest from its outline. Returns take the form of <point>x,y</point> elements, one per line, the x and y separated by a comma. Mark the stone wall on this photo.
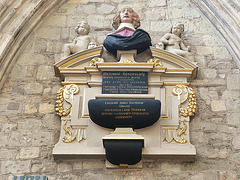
<point>29,128</point>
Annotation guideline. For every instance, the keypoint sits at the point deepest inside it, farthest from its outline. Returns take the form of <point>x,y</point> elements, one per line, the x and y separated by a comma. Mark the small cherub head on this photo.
<point>82,28</point>
<point>177,29</point>
<point>127,15</point>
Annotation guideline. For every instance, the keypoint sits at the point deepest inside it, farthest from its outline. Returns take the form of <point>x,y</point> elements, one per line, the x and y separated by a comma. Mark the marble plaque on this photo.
<point>124,82</point>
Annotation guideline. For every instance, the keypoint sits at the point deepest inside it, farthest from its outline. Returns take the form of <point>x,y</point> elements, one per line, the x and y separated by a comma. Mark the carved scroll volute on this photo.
<point>72,134</point>
<point>176,134</point>
<point>157,62</point>
<point>65,94</point>
<point>96,60</point>
<point>185,93</point>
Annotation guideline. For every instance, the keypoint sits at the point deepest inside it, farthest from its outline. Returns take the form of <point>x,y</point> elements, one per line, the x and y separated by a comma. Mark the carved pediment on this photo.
<point>160,61</point>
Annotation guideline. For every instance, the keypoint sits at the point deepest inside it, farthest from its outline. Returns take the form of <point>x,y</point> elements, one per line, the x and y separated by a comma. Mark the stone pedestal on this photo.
<point>127,56</point>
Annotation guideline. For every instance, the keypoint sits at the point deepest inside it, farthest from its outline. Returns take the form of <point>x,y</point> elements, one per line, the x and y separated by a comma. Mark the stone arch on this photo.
<point>19,19</point>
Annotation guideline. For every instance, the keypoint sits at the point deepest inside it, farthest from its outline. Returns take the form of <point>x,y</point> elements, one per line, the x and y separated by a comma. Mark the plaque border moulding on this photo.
<point>168,81</point>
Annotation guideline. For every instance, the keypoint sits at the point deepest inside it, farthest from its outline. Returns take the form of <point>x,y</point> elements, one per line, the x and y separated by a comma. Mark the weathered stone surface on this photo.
<point>78,165</point>
<point>49,33</point>
<point>200,60</point>
<point>175,13</point>
<point>204,50</point>
<point>44,168</point>
<point>13,106</point>
<point>205,175</point>
<point>33,59</point>
<point>105,9</point>
<point>51,121</point>
<point>190,13</point>
<point>218,105</point>
<point>211,40</point>
<point>29,153</point>
<point>227,129</point>
<point>18,71</point>
<point>42,139</point>
<point>154,3</point>
<point>15,167</point>
<point>228,176</point>
<point>30,108</point>
<point>3,118</point>
<point>208,126</point>
<point>153,15</point>
<point>69,8</point>
<point>233,81</point>
<point>165,26</point>
<point>17,138</point>
<point>7,154</point>
<point>64,167</point>
<point>223,154</point>
<point>6,127</point>
<point>56,21</point>
<point>33,88</point>
<point>45,73</point>
<point>178,3</point>
<point>233,105</point>
<point>206,94</point>
<point>96,164</point>
<point>46,108</point>
<point>233,118</point>
<point>30,124</point>
<point>95,20</point>
<point>170,167</point>
<point>199,26</point>
<point>214,129</point>
<point>54,47</point>
<point>236,142</point>
<point>221,53</point>
<point>230,94</point>
<point>208,73</point>
<point>3,139</point>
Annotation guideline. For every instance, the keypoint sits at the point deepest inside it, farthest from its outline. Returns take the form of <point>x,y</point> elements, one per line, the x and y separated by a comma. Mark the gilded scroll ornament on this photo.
<point>175,133</point>
<point>185,93</point>
<point>157,62</point>
<point>73,133</point>
<point>127,61</point>
<point>65,94</point>
<point>96,60</point>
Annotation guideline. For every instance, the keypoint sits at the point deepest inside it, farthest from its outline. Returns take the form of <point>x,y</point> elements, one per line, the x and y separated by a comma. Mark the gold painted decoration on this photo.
<point>127,61</point>
<point>185,93</point>
<point>157,62</point>
<point>96,60</point>
<point>175,133</point>
<point>65,94</point>
<point>72,134</point>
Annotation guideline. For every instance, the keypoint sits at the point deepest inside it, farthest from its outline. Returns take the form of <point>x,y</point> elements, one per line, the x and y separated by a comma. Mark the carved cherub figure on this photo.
<point>173,41</point>
<point>83,41</point>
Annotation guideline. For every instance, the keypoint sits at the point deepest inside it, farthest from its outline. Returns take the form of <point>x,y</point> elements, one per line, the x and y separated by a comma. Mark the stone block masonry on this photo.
<point>29,127</point>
